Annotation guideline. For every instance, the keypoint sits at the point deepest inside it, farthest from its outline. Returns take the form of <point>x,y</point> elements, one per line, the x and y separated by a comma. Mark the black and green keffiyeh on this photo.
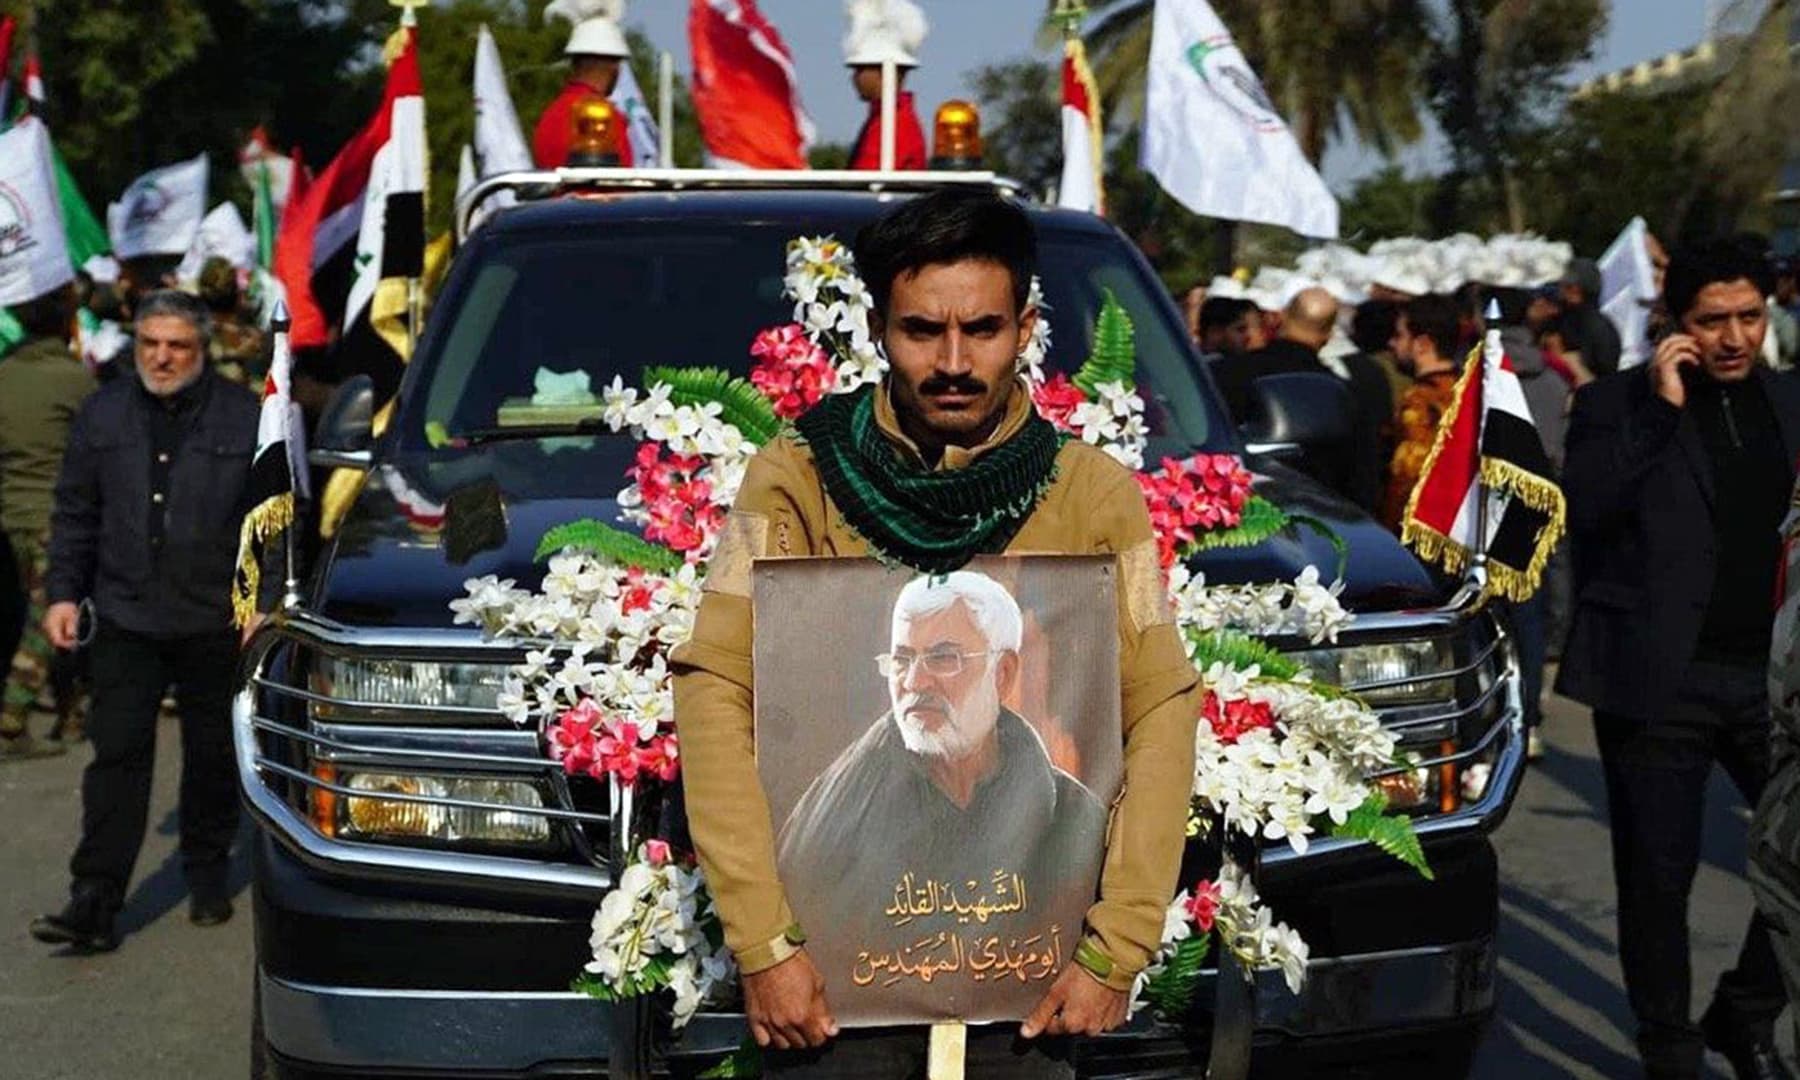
<point>931,521</point>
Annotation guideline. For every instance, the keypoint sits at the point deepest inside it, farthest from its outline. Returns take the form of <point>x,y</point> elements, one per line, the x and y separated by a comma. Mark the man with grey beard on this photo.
<point>948,783</point>
<point>144,533</point>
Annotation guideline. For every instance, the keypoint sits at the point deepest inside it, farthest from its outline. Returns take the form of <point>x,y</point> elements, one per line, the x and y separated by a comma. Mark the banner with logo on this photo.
<point>939,753</point>
<point>34,257</point>
<point>160,213</point>
<point>1628,291</point>
<point>222,233</point>
<point>1212,137</point>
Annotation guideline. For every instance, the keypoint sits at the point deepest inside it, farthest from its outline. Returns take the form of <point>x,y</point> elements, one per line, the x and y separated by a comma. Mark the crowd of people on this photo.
<point>1678,468</point>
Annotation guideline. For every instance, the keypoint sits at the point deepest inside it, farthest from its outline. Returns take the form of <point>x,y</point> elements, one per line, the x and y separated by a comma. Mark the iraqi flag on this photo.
<point>277,477</point>
<point>746,91</point>
<point>1083,143</point>
<point>323,228</point>
<point>1487,446</point>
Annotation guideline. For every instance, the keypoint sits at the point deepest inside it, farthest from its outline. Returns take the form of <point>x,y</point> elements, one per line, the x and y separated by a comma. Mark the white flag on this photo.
<point>646,142</point>
<point>499,141</point>
<point>34,256</point>
<point>1213,139</point>
<point>1628,289</point>
<point>222,233</point>
<point>160,213</point>
<point>390,242</point>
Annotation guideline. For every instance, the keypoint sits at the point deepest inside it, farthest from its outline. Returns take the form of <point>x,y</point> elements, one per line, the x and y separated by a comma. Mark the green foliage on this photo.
<point>615,546</point>
<point>1387,203</point>
<point>1391,833</point>
<point>1021,114</point>
<point>1171,991</point>
<point>1114,359</point>
<point>745,407</point>
<point>829,155</point>
<point>1260,520</point>
<point>745,1061</point>
<point>1236,649</point>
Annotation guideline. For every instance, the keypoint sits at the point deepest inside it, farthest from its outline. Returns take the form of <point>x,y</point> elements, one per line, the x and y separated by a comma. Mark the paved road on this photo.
<point>174,1001</point>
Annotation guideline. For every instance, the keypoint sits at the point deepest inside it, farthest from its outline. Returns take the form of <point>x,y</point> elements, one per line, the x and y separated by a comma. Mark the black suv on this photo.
<point>444,943</point>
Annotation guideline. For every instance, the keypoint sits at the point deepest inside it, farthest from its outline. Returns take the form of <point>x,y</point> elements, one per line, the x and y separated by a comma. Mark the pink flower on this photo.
<point>791,370</point>
<point>618,752</point>
<point>1232,720</point>
<point>1056,400</point>
<point>660,757</point>
<point>571,737</point>
<point>1203,906</point>
<point>657,853</point>
<point>1197,494</point>
<point>677,501</point>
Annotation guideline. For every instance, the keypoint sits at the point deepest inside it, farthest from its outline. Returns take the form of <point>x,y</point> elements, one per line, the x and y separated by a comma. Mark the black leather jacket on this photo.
<point>104,545</point>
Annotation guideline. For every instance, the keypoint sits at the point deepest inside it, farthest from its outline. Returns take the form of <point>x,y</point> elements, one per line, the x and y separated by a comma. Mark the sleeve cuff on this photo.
<point>769,953</point>
<point>1094,960</point>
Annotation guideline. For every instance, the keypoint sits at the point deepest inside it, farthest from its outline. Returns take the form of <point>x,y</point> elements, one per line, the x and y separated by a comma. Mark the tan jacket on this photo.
<point>1094,506</point>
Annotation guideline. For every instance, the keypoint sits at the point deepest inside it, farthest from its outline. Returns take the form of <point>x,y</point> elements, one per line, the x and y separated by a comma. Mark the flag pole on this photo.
<point>281,367</point>
<point>890,92</point>
<point>1491,352</point>
<point>665,108</point>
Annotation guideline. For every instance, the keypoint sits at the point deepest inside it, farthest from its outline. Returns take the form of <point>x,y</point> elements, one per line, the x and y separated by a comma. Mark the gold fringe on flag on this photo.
<point>261,526</point>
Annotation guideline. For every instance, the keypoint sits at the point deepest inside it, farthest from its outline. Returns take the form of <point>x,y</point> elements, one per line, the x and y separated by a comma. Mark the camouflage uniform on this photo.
<point>238,352</point>
<point>1775,830</point>
<point>34,658</point>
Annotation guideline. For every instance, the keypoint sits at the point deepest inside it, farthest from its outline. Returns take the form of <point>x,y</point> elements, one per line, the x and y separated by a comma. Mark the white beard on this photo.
<point>967,727</point>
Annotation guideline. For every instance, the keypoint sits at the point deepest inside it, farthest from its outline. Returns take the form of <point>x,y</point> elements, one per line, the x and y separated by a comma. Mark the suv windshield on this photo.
<point>612,299</point>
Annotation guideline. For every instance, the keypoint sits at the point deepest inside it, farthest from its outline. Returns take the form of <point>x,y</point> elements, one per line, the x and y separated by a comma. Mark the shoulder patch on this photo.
<point>1146,593</point>
<point>743,539</point>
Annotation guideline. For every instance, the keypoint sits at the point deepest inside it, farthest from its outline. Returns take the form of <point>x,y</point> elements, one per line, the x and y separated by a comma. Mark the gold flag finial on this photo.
<point>409,10</point>
<point>1069,14</point>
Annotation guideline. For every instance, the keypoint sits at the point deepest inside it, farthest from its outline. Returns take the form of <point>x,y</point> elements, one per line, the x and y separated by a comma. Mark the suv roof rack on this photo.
<point>544,183</point>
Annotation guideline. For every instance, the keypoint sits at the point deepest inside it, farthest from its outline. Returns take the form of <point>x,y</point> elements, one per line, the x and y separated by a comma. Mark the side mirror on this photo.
<point>1305,419</point>
<point>346,427</point>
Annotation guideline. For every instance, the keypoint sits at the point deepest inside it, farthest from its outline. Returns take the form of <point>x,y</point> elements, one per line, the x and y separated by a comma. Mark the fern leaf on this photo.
<point>615,546</point>
<point>1236,649</point>
<point>1259,520</point>
<point>745,1061</point>
<point>1114,358</point>
<point>743,405</point>
<point>1171,991</point>
<point>1330,534</point>
<point>1392,833</point>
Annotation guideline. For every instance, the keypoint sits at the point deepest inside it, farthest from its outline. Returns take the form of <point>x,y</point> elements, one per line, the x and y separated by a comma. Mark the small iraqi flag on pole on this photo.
<point>275,480</point>
<point>1084,144</point>
<point>1487,446</point>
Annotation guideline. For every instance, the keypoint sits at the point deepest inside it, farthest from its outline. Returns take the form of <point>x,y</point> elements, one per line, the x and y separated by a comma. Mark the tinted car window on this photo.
<point>611,299</point>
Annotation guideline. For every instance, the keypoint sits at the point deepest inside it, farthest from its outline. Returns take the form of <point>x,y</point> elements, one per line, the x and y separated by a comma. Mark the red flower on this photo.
<point>1056,400</point>
<point>571,737</point>
<point>1203,906</point>
<point>791,370</point>
<point>618,752</point>
<point>677,501</point>
<point>1232,720</point>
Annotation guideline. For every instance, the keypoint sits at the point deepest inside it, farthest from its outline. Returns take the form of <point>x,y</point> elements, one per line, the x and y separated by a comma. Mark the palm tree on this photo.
<point>1330,66</point>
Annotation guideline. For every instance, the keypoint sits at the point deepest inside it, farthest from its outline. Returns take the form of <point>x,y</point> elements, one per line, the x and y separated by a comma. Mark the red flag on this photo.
<point>324,216</point>
<point>746,92</point>
<point>1084,143</point>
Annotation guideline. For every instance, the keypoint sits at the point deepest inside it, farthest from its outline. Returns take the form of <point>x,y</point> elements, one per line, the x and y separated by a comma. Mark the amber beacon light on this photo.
<point>598,131</point>
<point>956,136</point>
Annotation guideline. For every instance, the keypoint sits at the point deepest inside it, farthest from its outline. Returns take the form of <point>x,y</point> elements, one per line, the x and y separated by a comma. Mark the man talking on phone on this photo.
<point>1677,478</point>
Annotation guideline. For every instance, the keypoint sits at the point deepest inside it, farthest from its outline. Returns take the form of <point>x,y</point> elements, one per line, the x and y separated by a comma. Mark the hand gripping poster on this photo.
<point>940,754</point>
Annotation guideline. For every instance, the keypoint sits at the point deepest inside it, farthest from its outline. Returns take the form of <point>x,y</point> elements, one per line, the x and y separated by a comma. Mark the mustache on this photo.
<point>927,700</point>
<point>966,385</point>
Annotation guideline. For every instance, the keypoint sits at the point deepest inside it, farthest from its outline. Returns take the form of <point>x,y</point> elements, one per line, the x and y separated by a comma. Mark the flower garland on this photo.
<point>1278,757</point>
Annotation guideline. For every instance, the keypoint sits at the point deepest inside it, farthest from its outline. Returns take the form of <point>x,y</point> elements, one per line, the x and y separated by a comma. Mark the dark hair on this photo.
<point>49,315</point>
<point>1435,317</point>
<point>180,305</point>
<point>1696,266</point>
<point>945,227</point>
<point>1219,312</point>
<point>1372,327</point>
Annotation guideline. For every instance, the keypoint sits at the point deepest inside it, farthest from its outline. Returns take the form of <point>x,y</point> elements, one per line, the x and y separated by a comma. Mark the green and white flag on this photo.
<point>160,213</point>
<point>34,254</point>
<point>1212,137</point>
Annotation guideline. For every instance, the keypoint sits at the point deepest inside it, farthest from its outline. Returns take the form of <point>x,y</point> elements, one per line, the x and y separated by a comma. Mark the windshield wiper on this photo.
<point>587,425</point>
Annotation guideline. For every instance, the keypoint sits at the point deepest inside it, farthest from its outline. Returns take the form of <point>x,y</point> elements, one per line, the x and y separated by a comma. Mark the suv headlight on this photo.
<point>1383,674</point>
<point>408,820</point>
<point>417,683</point>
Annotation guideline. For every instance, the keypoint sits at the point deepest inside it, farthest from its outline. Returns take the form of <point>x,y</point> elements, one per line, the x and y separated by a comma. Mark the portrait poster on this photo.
<point>940,755</point>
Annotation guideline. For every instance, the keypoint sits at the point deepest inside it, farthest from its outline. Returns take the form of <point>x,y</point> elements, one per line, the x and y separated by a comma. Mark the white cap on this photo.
<point>596,30</point>
<point>884,30</point>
